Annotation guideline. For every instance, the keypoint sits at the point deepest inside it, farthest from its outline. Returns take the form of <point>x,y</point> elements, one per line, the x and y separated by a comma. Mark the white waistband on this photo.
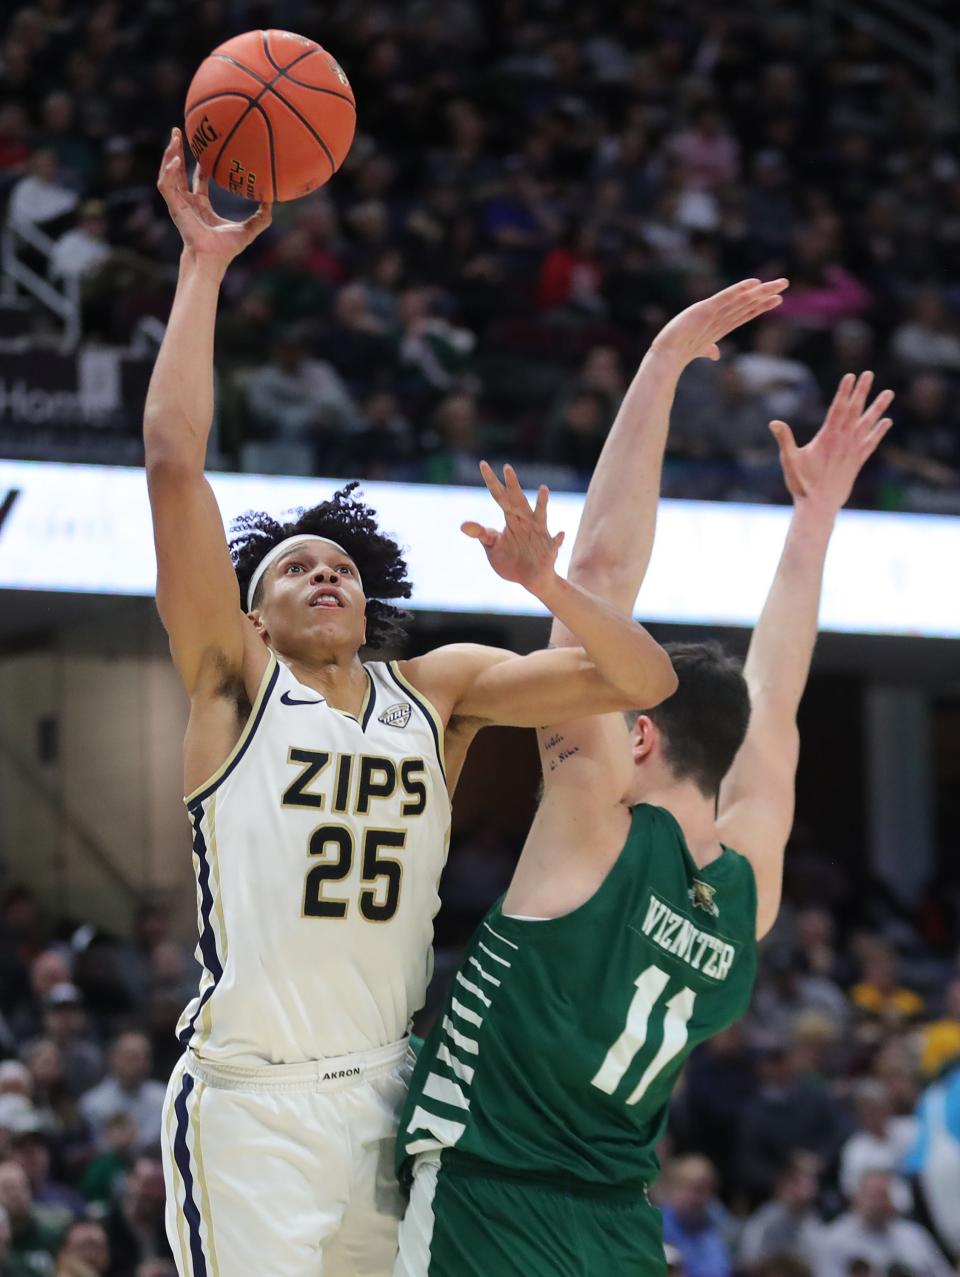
<point>331,1074</point>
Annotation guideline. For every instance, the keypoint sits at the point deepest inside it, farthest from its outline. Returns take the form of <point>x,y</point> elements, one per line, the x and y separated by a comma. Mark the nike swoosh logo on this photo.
<point>287,699</point>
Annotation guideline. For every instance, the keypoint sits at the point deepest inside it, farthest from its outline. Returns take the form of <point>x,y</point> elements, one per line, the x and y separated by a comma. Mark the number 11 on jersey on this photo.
<point>650,985</point>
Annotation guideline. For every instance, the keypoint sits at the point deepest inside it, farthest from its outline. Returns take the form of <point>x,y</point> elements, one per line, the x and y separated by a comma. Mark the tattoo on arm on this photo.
<point>561,755</point>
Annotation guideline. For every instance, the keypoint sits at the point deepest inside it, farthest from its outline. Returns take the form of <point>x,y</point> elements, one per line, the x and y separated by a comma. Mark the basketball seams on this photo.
<point>301,84</point>
<point>308,126</point>
<point>222,93</point>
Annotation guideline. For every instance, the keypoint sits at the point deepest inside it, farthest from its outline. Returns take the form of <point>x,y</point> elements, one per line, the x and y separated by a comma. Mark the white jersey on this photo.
<point>318,848</point>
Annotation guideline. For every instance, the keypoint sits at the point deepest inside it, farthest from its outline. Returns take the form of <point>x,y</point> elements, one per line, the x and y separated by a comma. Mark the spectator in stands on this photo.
<point>65,1024</point>
<point>81,251</point>
<point>853,348</point>
<point>84,1243</point>
<point>872,1232</point>
<point>34,1237</point>
<point>571,278</point>
<point>787,993</point>
<point>788,1225</point>
<point>694,1220</point>
<point>928,437</point>
<point>434,353</point>
<point>127,1088</point>
<point>817,945</point>
<point>62,135</point>
<point>15,149</point>
<point>358,343</point>
<point>878,996</point>
<point>940,1040</point>
<point>715,415</point>
<point>787,1114</point>
<point>935,1158</point>
<point>15,1079</point>
<point>295,290</point>
<point>581,432</point>
<point>822,291</point>
<point>299,397</point>
<point>707,152</point>
<point>720,1081</point>
<point>928,340</point>
<point>40,199</point>
<point>520,222</point>
<point>135,1225</point>
<point>785,385</point>
<point>47,970</point>
<point>105,1173</point>
<point>31,1148</point>
<point>455,453</point>
<point>880,1143</point>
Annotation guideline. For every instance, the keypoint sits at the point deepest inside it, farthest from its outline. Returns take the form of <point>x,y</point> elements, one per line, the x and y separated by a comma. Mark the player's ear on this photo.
<point>642,738</point>
<point>256,618</point>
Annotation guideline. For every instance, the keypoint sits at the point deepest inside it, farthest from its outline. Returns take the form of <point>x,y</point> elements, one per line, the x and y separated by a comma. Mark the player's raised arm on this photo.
<point>196,588</point>
<point>755,812</point>
<point>616,665</point>
<point>615,538</point>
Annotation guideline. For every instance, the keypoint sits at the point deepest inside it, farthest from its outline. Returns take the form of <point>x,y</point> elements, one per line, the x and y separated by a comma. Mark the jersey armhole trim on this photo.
<point>428,711</point>
<point>267,684</point>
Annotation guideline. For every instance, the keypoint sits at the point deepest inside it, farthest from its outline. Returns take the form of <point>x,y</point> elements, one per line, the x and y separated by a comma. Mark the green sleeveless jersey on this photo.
<point>561,1040</point>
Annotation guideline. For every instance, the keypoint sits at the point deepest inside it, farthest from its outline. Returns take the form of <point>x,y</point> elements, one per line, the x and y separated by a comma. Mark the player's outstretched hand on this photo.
<point>524,551</point>
<point>203,231</point>
<point>823,472</point>
<point>695,332</point>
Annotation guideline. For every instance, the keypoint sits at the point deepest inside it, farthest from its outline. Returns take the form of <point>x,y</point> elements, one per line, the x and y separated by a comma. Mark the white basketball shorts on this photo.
<point>285,1170</point>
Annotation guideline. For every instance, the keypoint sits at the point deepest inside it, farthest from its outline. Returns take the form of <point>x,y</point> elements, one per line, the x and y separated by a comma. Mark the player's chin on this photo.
<point>330,621</point>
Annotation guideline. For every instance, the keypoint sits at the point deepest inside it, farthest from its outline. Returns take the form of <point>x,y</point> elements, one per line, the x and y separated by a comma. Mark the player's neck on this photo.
<point>693,812</point>
<point>339,678</point>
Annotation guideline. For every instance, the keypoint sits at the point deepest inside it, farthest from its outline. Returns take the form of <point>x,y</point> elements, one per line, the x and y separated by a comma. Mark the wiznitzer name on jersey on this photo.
<point>678,935</point>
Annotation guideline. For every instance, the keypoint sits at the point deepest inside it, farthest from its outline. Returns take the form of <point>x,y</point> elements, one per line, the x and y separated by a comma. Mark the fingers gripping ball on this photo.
<point>270,115</point>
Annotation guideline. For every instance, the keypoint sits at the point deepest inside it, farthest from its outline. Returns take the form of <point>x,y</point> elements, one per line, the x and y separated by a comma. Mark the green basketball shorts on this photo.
<point>478,1222</point>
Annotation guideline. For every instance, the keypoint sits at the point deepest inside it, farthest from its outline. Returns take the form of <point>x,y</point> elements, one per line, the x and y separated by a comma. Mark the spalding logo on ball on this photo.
<point>270,115</point>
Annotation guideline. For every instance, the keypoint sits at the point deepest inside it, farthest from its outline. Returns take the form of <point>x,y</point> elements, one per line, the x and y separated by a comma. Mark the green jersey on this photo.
<point>561,1040</point>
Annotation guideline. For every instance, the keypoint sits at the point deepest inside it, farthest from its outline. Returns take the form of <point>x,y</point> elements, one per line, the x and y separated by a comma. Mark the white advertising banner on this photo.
<point>87,529</point>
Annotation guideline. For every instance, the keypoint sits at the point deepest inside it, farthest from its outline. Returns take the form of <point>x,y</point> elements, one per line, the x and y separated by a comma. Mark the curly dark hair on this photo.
<point>352,524</point>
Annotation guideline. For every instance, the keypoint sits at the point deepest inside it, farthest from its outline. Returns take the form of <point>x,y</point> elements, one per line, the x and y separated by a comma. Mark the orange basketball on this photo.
<point>270,115</point>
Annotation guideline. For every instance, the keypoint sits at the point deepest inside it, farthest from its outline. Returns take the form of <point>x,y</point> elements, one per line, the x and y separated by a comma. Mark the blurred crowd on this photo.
<point>819,1137</point>
<point>534,188</point>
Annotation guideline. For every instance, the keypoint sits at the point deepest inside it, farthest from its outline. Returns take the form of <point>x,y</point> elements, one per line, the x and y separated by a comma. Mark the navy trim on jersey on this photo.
<point>181,1155</point>
<point>208,941</point>
<point>407,690</point>
<point>248,734</point>
<point>372,700</point>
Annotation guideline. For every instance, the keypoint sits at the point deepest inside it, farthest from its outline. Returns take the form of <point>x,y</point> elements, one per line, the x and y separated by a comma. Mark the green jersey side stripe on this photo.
<point>490,954</point>
<point>465,1013</point>
<point>463,1071</point>
<point>447,1092</point>
<point>502,939</point>
<point>491,979</point>
<point>466,1044</point>
<point>441,1128</point>
<point>472,988</point>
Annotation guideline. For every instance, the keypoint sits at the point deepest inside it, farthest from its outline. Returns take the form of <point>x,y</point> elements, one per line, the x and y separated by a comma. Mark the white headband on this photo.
<point>279,550</point>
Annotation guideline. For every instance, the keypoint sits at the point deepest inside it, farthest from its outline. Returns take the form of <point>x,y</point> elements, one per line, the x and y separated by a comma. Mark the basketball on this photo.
<point>270,115</point>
